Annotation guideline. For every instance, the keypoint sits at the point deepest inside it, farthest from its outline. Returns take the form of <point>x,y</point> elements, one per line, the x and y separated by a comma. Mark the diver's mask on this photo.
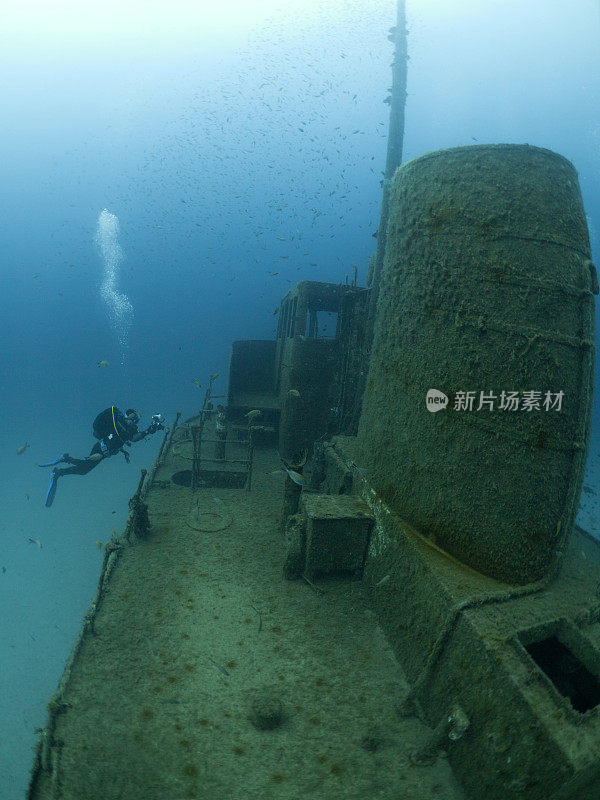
<point>133,416</point>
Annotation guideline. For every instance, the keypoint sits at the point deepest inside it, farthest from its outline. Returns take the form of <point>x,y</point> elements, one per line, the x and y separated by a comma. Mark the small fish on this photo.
<point>21,450</point>
<point>295,476</point>
<point>214,377</point>
<point>379,583</point>
<point>259,618</point>
<point>276,311</point>
<point>36,541</point>
<point>103,363</point>
<point>253,414</point>
<point>217,501</point>
<point>3,570</point>
<point>218,666</point>
<point>276,472</point>
<point>198,384</point>
<point>294,393</point>
<point>312,586</point>
<point>99,545</point>
<point>153,653</point>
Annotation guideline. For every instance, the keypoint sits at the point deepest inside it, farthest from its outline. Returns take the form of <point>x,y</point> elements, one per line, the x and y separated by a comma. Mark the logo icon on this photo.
<point>435,400</point>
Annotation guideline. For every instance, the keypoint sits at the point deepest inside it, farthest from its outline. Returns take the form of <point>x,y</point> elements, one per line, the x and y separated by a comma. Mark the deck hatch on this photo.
<point>568,673</point>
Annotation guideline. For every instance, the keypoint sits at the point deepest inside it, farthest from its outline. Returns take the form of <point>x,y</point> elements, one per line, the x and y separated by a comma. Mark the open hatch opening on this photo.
<point>567,673</point>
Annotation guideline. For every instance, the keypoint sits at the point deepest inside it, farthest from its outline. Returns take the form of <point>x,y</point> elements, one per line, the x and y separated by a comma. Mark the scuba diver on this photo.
<point>113,429</point>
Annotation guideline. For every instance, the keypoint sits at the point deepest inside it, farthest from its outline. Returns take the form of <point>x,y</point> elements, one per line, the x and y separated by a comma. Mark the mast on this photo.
<point>397,101</point>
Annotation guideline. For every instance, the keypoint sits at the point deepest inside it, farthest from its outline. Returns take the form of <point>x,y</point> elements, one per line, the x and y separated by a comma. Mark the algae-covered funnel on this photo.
<point>486,297</point>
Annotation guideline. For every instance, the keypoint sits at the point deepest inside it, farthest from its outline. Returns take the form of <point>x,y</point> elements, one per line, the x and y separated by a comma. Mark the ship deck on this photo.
<point>198,621</point>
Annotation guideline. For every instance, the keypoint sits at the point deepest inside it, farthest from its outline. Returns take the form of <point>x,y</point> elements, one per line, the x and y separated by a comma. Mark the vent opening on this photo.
<point>211,479</point>
<point>567,673</point>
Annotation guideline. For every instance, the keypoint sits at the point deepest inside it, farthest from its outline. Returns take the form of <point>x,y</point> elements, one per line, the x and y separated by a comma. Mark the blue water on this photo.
<point>220,159</point>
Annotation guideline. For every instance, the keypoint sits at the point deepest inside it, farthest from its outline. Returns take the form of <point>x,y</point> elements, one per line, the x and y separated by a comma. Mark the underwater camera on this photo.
<point>158,421</point>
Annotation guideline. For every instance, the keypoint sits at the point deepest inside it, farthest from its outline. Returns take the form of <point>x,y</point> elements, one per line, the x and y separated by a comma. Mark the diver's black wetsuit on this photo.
<point>109,446</point>
<point>114,430</point>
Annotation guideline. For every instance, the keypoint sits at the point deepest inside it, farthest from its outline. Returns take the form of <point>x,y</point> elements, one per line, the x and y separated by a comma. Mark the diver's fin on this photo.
<point>52,488</point>
<point>58,460</point>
